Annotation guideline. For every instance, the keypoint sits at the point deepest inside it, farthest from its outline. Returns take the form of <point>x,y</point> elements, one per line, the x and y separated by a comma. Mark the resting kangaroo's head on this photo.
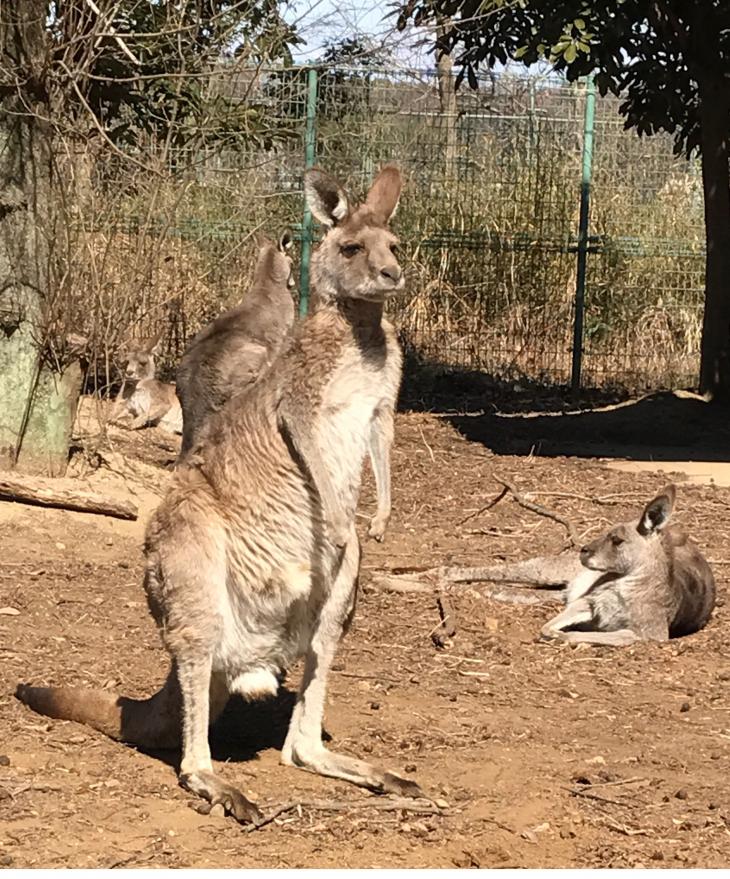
<point>141,359</point>
<point>626,547</point>
<point>274,265</point>
<point>358,257</point>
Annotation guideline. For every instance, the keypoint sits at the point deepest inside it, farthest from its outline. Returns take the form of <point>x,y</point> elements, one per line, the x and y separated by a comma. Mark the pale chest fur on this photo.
<point>364,381</point>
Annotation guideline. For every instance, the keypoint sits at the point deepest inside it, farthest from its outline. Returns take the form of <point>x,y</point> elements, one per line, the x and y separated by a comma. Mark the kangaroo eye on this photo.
<point>616,540</point>
<point>395,249</point>
<point>349,250</point>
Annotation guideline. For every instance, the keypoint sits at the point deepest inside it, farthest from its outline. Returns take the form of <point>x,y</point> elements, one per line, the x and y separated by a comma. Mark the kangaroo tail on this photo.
<point>550,571</point>
<point>151,723</point>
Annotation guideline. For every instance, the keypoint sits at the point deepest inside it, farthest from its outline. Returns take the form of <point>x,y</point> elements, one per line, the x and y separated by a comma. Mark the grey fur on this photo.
<point>228,355</point>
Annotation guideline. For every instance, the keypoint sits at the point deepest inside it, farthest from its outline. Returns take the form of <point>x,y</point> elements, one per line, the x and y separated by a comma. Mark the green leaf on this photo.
<point>579,24</point>
<point>521,52</point>
<point>570,53</point>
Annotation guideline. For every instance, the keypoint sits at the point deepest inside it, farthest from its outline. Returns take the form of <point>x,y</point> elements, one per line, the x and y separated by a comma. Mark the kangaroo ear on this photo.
<point>154,344</point>
<point>385,193</point>
<point>325,197</point>
<point>286,241</point>
<point>657,512</point>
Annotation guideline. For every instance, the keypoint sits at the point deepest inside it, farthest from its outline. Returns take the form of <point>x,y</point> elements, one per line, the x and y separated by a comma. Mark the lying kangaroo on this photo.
<point>640,581</point>
<point>142,396</point>
<point>253,557</point>
<point>229,354</point>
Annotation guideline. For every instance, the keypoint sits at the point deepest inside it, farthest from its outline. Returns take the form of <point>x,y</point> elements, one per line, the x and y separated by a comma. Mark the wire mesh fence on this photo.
<point>489,220</point>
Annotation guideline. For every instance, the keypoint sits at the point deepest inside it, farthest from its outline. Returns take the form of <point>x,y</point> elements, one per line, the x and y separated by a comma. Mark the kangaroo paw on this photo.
<point>206,785</point>
<point>394,784</point>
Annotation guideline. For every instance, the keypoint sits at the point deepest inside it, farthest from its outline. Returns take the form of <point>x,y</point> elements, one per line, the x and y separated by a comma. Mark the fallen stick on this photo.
<point>541,511</point>
<point>447,625</point>
<point>398,805</point>
<point>64,494</point>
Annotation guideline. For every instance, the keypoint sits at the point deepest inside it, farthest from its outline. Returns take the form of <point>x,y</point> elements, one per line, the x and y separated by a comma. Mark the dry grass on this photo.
<point>489,238</point>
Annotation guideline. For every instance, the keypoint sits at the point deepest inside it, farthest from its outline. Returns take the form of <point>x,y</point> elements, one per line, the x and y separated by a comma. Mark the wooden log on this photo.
<point>64,494</point>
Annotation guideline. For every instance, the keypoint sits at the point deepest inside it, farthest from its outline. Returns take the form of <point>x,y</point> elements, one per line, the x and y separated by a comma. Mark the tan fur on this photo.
<point>252,557</point>
<point>231,353</point>
<point>142,398</point>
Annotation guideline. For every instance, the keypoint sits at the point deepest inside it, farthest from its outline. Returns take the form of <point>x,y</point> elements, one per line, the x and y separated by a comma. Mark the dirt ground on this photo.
<point>532,754</point>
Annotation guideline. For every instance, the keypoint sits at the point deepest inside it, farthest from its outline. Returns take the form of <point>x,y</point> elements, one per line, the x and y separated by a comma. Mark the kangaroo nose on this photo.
<point>392,272</point>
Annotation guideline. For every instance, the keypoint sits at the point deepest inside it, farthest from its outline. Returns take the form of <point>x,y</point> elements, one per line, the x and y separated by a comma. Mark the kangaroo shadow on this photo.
<point>665,426</point>
<point>243,730</point>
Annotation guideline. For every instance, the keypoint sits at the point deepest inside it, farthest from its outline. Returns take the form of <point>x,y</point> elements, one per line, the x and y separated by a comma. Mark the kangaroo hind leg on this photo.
<point>303,746</point>
<point>183,594</point>
<point>203,697</point>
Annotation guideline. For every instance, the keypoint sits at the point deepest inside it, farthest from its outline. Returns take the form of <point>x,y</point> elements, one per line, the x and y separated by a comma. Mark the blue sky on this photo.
<point>322,21</point>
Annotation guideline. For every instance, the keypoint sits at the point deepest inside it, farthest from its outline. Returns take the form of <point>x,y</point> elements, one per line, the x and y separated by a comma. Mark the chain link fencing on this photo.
<point>165,239</point>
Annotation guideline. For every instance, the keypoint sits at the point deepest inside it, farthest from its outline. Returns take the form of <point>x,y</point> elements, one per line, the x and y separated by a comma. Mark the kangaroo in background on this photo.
<point>640,581</point>
<point>232,352</point>
<point>253,557</point>
<point>142,397</point>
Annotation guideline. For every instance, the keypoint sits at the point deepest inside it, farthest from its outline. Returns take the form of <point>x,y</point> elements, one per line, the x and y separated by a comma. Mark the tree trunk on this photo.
<point>447,101</point>
<point>715,139</point>
<point>36,400</point>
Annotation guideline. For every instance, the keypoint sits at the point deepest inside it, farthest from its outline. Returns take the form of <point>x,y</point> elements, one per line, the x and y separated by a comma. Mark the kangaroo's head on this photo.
<point>274,263</point>
<point>284,247</point>
<point>627,547</point>
<point>141,359</point>
<point>358,257</point>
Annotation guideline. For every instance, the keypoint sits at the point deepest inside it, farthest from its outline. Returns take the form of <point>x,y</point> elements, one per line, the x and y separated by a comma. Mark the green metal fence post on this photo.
<point>585,201</point>
<point>309,153</point>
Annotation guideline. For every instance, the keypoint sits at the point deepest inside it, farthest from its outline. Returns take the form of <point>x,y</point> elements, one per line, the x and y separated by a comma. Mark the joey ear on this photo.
<point>286,241</point>
<point>657,512</point>
<point>385,192</point>
<point>325,197</point>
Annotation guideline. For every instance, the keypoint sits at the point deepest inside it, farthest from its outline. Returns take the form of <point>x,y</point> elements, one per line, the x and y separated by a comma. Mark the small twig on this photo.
<point>447,626</point>
<point>400,804</point>
<point>606,500</point>
<point>542,511</point>
<point>493,503</point>
<point>352,674</point>
<point>430,450</point>
<point>622,828</point>
<point>633,780</point>
<point>580,792</point>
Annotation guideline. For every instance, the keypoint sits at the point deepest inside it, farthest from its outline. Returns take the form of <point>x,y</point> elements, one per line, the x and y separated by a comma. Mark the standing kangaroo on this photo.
<point>253,557</point>
<point>142,396</point>
<point>640,581</point>
<point>233,351</point>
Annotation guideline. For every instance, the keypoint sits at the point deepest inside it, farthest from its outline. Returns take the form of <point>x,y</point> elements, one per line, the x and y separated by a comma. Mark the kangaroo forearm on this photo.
<point>381,441</point>
<point>380,460</point>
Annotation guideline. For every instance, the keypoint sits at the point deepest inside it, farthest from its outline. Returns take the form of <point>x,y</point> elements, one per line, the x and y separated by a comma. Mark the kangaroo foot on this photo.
<point>206,785</point>
<point>318,759</point>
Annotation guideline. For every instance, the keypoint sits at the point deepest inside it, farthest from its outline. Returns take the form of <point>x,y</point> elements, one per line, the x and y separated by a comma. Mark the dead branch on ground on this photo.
<point>541,511</point>
<point>63,494</point>
<point>400,804</point>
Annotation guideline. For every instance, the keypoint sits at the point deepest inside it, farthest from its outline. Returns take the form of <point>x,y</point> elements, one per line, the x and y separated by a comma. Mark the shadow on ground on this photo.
<point>522,417</point>
<point>658,427</point>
